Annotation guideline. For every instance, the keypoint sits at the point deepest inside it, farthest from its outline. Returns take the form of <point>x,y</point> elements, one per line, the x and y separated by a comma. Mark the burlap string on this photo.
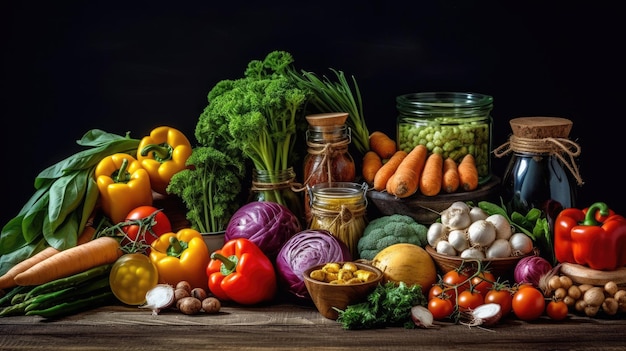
<point>557,147</point>
<point>327,150</point>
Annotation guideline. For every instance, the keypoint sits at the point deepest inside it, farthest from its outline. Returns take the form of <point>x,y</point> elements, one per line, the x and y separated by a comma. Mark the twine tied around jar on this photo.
<point>558,147</point>
<point>346,224</point>
<point>267,186</point>
<point>326,150</point>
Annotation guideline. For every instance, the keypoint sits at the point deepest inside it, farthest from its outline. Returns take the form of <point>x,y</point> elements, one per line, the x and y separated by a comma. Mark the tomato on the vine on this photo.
<point>502,297</point>
<point>455,278</point>
<point>528,303</point>
<point>483,282</point>
<point>469,299</point>
<point>435,291</point>
<point>161,225</point>
<point>557,310</point>
<point>441,308</point>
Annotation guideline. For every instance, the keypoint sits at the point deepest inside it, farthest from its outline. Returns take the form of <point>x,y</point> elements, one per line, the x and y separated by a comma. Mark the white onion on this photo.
<point>436,232</point>
<point>458,239</point>
<point>486,314</point>
<point>445,248</point>
<point>481,233</point>
<point>500,248</point>
<point>503,227</point>
<point>159,297</point>
<point>477,213</point>
<point>422,317</point>
<point>473,252</point>
<point>521,244</point>
<point>456,217</point>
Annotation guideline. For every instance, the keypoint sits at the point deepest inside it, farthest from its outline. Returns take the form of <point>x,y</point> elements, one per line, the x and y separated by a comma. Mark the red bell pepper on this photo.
<point>593,237</point>
<point>242,273</point>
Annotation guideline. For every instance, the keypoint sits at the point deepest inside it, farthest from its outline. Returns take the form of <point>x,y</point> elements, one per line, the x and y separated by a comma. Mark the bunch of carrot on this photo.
<point>402,174</point>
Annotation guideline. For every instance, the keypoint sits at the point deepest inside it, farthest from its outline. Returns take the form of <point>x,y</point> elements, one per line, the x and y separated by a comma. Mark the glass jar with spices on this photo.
<point>542,165</point>
<point>340,208</point>
<point>328,159</point>
<point>450,123</point>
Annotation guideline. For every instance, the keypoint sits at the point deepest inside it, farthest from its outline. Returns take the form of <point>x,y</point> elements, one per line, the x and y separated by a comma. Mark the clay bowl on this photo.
<point>325,296</point>
<point>426,209</point>
<point>499,267</point>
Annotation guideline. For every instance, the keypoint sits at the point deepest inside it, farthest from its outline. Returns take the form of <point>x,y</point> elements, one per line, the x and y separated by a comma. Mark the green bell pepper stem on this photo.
<point>162,152</point>
<point>121,175</point>
<point>590,216</point>
<point>176,247</point>
<point>229,264</point>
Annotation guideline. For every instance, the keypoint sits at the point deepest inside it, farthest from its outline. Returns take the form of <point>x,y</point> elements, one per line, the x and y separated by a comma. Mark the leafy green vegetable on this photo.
<point>337,96</point>
<point>209,188</point>
<point>388,305</point>
<point>64,198</point>
<point>534,224</point>
<point>258,115</point>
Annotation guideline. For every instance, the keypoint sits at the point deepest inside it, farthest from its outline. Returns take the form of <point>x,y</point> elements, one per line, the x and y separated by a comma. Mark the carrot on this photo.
<point>388,169</point>
<point>74,260</point>
<point>450,180</point>
<point>382,144</point>
<point>7,279</point>
<point>406,179</point>
<point>432,175</point>
<point>371,164</point>
<point>468,173</point>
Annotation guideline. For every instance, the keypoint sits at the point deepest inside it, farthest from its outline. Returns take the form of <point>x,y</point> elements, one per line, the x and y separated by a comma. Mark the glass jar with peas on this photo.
<point>450,123</point>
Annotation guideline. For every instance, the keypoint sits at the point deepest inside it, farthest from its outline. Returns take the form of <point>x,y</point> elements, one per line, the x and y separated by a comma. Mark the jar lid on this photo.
<point>327,119</point>
<point>540,127</point>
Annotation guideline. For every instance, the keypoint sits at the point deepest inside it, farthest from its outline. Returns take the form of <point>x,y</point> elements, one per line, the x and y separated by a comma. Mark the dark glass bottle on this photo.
<point>542,167</point>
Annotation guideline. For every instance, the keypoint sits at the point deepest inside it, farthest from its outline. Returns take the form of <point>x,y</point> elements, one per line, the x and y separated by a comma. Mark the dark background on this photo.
<point>71,66</point>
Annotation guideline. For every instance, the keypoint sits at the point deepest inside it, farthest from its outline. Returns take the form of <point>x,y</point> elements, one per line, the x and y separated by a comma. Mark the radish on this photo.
<point>486,314</point>
<point>422,317</point>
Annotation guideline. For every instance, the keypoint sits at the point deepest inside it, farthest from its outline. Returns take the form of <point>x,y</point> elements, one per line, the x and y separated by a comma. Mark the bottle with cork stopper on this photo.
<point>542,167</point>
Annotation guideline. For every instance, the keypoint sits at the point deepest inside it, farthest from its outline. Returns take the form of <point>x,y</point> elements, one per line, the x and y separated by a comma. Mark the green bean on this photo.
<point>81,304</point>
<point>6,299</point>
<point>71,280</point>
<point>53,298</point>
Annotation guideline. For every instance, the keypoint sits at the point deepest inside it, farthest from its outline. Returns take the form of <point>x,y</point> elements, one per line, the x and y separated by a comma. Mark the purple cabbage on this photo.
<point>304,250</point>
<point>530,269</point>
<point>267,224</point>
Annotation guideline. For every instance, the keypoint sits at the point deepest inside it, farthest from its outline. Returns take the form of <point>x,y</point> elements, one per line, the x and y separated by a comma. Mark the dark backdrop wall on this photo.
<point>71,66</point>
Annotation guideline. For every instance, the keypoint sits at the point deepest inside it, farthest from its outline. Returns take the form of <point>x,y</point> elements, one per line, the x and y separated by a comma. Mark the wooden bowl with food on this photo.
<point>336,285</point>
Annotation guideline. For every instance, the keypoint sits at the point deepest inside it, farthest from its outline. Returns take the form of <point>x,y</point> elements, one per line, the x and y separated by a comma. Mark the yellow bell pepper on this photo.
<point>123,185</point>
<point>181,256</point>
<point>163,153</point>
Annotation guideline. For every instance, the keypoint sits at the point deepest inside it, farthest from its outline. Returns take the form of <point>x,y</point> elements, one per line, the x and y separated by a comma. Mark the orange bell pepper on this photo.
<point>242,273</point>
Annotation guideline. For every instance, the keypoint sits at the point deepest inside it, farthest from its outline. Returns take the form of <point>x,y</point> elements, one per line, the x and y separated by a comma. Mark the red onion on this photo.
<point>530,269</point>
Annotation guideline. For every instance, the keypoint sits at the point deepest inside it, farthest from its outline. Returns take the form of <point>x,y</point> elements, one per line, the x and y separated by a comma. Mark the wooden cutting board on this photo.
<point>585,275</point>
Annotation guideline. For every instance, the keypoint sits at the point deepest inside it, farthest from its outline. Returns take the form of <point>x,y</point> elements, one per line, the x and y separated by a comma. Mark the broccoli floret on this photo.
<point>388,230</point>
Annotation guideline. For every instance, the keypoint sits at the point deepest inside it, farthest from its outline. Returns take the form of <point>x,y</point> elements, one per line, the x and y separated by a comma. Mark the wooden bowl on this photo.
<point>499,267</point>
<point>325,296</point>
<point>426,209</point>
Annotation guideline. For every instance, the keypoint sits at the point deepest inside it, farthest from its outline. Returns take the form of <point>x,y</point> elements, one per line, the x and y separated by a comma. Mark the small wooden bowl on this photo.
<point>325,296</point>
<point>499,267</point>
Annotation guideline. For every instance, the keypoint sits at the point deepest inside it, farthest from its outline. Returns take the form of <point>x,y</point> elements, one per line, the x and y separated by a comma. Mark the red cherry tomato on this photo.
<point>435,291</point>
<point>502,297</point>
<point>557,310</point>
<point>469,300</point>
<point>162,225</point>
<point>454,278</point>
<point>483,282</point>
<point>440,308</point>
<point>528,303</point>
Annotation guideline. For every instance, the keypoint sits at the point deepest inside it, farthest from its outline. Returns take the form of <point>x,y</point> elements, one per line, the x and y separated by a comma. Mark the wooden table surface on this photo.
<point>292,327</point>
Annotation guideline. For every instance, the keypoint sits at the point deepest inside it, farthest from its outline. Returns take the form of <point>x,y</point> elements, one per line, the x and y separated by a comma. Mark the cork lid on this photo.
<point>541,127</point>
<point>327,119</point>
